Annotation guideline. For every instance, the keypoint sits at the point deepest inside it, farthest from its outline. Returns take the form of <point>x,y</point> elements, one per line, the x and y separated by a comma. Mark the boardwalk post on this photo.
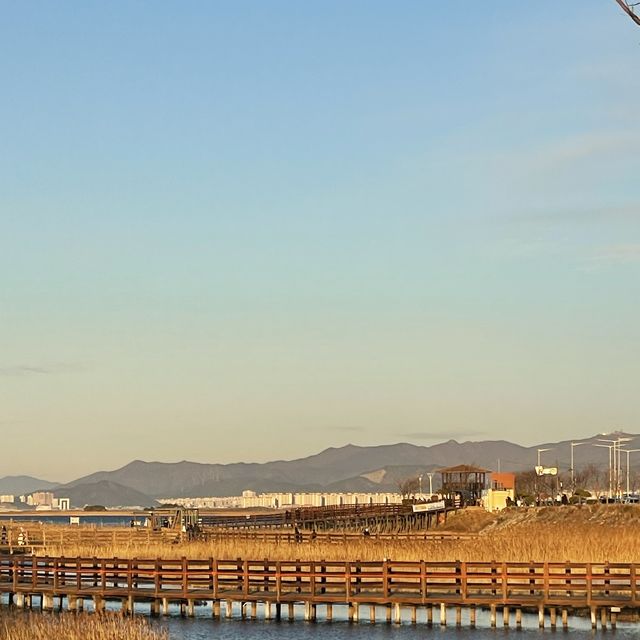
<point>603,617</point>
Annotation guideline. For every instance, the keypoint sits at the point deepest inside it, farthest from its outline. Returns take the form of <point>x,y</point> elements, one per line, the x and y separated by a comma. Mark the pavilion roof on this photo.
<point>464,468</point>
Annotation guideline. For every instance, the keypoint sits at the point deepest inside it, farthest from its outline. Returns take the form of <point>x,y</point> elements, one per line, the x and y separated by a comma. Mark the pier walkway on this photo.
<point>556,589</point>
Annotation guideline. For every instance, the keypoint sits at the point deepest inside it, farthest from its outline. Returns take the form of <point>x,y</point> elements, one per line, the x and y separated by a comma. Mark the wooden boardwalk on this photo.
<point>380,518</point>
<point>556,589</point>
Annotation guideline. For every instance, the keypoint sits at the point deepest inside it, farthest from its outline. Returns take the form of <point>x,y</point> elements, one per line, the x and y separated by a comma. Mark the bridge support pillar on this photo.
<point>397,613</point>
<point>614,617</point>
<point>267,610</point>
<point>519,618</point>
<point>443,614</point>
<point>472,616</point>
<point>47,602</point>
<point>430,615</point>
<point>594,614</point>
<point>603,617</point>
<point>351,612</point>
<point>98,604</point>
<point>154,608</point>
<point>458,616</point>
<point>414,614</point>
<point>329,612</point>
<point>565,619</point>
<point>165,606</point>
<point>554,617</point>
<point>541,617</point>
<point>372,613</point>
<point>506,617</point>
<point>388,613</point>
<point>254,610</point>
<point>291,612</point>
<point>18,600</point>
<point>278,611</point>
<point>493,616</point>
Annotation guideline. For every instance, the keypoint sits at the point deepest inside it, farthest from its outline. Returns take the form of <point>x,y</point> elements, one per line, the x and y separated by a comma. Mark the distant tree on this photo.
<point>588,477</point>
<point>409,486</point>
<point>526,483</point>
<point>95,507</point>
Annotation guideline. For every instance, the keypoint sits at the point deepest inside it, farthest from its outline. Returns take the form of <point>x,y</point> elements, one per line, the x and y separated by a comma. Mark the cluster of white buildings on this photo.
<point>251,499</point>
<point>39,500</point>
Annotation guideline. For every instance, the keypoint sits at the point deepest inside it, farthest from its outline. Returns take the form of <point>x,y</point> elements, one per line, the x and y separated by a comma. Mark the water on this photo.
<point>99,520</point>
<point>203,627</point>
<point>200,629</point>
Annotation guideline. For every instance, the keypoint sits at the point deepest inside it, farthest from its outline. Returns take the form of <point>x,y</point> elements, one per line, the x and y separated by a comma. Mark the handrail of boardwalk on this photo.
<point>410,583</point>
<point>287,536</point>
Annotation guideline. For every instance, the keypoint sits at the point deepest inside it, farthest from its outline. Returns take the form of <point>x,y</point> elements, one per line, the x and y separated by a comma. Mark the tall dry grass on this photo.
<point>83,626</point>
<point>534,542</point>
<point>587,534</point>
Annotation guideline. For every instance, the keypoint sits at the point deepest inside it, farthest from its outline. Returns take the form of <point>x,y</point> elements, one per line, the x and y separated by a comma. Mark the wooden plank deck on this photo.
<point>573,585</point>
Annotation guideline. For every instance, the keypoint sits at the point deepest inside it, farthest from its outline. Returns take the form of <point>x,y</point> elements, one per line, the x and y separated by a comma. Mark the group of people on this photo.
<point>22,539</point>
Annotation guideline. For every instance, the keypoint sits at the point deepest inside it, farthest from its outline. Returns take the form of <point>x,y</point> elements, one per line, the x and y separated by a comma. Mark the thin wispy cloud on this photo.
<point>18,370</point>
<point>23,370</point>
<point>442,435</point>
<point>576,215</point>
<point>619,254</point>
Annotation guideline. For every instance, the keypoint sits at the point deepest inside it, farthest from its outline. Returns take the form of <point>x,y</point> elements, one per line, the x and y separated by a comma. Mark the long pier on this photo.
<point>380,518</point>
<point>553,590</point>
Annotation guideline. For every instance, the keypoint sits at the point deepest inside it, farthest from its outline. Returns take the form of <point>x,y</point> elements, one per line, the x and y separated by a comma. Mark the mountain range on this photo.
<point>349,468</point>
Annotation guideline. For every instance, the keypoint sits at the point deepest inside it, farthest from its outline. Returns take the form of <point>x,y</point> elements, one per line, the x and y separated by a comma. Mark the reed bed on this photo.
<point>82,626</point>
<point>576,534</point>
<point>535,542</point>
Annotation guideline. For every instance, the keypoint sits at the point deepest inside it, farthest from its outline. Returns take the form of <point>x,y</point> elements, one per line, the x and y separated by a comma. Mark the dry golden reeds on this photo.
<point>82,626</point>
<point>587,534</point>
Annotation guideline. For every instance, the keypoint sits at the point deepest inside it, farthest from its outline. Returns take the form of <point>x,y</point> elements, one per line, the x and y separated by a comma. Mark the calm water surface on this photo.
<point>202,626</point>
<point>196,629</point>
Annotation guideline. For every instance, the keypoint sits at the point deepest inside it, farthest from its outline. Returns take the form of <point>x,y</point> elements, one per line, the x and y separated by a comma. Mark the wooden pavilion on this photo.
<point>464,480</point>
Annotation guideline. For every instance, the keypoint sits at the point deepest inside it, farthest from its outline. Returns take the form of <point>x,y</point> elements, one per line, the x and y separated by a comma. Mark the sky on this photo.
<point>246,231</point>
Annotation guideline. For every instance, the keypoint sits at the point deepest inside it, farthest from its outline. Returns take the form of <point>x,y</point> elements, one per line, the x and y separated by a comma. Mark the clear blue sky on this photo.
<point>251,230</point>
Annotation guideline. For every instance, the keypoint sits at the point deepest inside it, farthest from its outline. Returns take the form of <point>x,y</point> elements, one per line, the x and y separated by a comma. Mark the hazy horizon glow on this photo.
<point>246,232</point>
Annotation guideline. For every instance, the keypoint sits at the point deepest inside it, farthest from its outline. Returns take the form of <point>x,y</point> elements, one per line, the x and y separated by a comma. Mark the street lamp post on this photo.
<point>573,484</point>
<point>628,451</point>
<point>610,447</point>
<point>614,462</point>
<point>430,475</point>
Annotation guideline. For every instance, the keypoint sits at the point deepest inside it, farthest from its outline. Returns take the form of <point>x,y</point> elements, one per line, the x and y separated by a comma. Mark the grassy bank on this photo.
<point>66,626</point>
<point>576,534</point>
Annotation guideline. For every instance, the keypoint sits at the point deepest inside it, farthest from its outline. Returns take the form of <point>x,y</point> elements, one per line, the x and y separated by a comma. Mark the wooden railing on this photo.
<point>408,583</point>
